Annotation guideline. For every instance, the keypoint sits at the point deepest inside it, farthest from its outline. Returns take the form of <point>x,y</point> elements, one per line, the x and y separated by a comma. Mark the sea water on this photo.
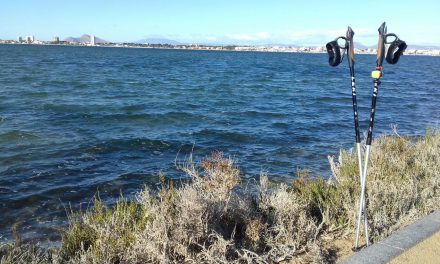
<point>81,121</point>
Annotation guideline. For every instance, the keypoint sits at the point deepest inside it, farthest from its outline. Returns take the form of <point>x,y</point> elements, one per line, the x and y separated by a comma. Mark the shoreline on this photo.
<point>209,220</point>
<point>221,48</point>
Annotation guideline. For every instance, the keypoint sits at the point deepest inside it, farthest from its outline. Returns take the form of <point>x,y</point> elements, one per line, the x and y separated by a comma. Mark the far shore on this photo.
<point>244,48</point>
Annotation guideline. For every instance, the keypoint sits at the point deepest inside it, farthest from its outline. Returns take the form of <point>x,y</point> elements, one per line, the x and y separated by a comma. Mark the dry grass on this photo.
<point>211,219</point>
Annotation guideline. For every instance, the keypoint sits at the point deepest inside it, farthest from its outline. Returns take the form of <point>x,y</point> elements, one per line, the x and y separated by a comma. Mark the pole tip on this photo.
<point>383,28</point>
<point>350,33</point>
<point>355,249</point>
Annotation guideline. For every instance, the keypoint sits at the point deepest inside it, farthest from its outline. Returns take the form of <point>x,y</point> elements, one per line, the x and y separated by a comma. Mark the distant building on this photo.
<point>20,39</point>
<point>30,39</point>
<point>56,40</point>
<point>92,40</point>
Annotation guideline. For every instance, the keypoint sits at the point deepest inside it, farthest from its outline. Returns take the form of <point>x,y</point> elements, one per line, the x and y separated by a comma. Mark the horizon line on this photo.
<point>184,42</point>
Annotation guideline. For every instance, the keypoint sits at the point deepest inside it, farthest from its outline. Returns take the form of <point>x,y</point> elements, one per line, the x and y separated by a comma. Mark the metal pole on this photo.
<point>358,146</point>
<point>351,63</point>
<point>376,75</point>
<point>362,199</point>
<point>367,156</point>
<point>363,209</point>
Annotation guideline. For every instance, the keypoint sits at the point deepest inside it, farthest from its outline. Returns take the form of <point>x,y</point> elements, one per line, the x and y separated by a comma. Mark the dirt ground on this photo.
<point>427,251</point>
<point>339,247</point>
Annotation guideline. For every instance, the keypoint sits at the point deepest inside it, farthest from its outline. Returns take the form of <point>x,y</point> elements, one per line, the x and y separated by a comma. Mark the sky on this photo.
<point>222,21</point>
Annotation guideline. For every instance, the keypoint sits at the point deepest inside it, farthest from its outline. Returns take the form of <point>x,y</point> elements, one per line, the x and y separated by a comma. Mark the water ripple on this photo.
<point>76,121</point>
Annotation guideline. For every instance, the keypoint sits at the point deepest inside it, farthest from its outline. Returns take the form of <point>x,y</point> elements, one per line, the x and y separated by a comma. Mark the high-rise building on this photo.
<point>20,39</point>
<point>92,40</point>
<point>56,40</point>
<point>30,39</point>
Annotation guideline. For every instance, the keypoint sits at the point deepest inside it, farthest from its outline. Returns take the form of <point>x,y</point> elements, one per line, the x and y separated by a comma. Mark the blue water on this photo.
<point>75,121</point>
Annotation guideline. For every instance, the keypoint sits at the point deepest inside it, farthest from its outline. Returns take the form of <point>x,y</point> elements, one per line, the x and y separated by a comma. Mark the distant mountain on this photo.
<point>158,41</point>
<point>279,45</point>
<point>423,47</point>
<point>413,47</point>
<point>359,45</point>
<point>85,39</point>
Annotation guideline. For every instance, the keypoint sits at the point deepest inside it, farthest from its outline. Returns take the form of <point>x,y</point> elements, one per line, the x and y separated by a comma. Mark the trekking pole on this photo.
<point>332,49</point>
<point>393,53</point>
<point>350,35</point>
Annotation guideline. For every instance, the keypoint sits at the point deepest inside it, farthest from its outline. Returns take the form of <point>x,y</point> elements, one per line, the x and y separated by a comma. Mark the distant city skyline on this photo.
<point>223,22</point>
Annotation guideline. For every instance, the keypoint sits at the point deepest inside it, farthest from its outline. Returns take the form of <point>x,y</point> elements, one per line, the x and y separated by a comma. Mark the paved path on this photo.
<point>427,251</point>
<point>402,242</point>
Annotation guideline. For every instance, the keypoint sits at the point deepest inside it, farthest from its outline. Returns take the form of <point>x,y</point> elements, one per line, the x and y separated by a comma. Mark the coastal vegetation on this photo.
<point>216,218</point>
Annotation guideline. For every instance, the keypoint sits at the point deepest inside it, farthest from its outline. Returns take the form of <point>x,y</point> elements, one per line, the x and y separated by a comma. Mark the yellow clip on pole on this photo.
<point>376,74</point>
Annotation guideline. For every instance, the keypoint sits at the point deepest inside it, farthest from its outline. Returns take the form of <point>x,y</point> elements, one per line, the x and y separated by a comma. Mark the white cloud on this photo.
<point>249,37</point>
<point>301,37</point>
<point>331,33</point>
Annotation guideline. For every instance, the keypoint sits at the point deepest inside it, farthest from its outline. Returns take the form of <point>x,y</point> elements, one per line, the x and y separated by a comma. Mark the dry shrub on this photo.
<point>202,221</point>
<point>21,254</point>
<point>402,183</point>
<point>290,228</point>
<point>206,220</point>
<point>212,219</point>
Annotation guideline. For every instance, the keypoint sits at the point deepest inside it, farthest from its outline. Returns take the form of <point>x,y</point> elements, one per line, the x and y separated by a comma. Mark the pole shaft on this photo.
<point>355,107</point>
<point>373,112</point>
<point>362,203</point>
<point>362,200</point>
<point>364,207</point>
<point>350,44</point>
<point>358,146</point>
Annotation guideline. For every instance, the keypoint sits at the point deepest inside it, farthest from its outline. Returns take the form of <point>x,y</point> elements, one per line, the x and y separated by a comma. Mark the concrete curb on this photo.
<point>397,242</point>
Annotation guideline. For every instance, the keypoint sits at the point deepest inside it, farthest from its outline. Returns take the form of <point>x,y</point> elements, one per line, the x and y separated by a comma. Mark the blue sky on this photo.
<point>227,21</point>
